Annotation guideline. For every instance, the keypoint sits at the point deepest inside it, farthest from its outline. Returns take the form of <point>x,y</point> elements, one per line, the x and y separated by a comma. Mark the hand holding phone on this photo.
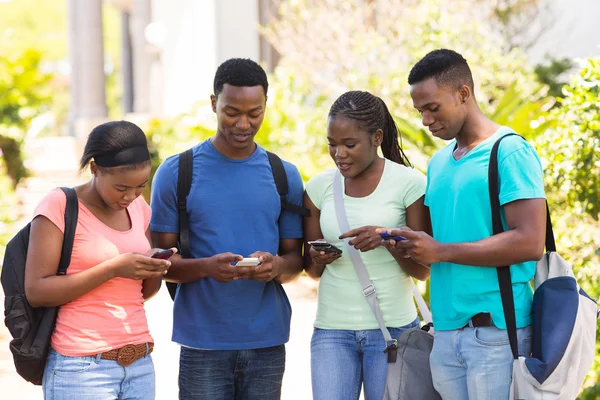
<point>248,262</point>
<point>387,236</point>
<point>163,254</point>
<point>325,246</point>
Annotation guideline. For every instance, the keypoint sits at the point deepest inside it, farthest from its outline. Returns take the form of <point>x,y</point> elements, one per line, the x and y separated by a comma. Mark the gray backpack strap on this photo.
<point>361,269</point>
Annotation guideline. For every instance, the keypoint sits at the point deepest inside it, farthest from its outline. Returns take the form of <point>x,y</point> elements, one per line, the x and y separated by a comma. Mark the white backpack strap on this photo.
<point>425,313</point>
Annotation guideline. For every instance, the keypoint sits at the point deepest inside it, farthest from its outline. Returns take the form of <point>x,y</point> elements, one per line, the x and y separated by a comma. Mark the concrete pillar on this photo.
<point>87,87</point>
<point>127,63</point>
<point>75,81</point>
<point>90,53</point>
<point>140,18</point>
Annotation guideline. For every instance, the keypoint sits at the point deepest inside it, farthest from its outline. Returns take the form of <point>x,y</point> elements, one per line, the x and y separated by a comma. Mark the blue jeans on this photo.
<point>231,374</point>
<point>475,363</point>
<point>342,361</point>
<point>92,378</point>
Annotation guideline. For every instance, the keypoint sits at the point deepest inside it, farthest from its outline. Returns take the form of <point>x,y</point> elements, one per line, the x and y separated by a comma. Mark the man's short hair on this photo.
<point>447,67</point>
<point>241,72</point>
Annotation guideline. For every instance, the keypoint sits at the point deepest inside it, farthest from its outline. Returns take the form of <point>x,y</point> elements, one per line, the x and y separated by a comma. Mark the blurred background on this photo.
<point>67,66</point>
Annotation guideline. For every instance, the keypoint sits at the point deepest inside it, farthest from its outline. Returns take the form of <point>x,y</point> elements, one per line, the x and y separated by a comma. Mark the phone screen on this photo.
<point>163,254</point>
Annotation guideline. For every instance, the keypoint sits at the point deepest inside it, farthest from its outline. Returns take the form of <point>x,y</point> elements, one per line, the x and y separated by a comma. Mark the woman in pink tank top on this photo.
<point>101,344</point>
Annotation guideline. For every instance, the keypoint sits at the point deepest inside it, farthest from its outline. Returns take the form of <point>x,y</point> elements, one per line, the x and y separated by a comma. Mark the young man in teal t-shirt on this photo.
<point>471,357</point>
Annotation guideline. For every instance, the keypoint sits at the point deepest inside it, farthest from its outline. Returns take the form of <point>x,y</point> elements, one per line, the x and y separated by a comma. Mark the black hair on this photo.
<point>112,137</point>
<point>371,114</point>
<point>241,72</point>
<point>447,67</point>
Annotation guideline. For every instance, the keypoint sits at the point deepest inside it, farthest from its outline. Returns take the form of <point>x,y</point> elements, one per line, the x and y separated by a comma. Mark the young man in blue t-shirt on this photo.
<point>231,322</point>
<point>471,357</point>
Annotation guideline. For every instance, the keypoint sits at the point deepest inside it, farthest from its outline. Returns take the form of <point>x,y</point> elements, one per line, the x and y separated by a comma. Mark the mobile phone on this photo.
<point>387,236</point>
<point>163,254</point>
<point>248,262</point>
<point>322,245</point>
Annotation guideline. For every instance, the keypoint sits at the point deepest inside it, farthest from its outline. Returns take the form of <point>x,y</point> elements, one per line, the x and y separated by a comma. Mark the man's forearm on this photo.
<point>412,267</point>
<point>184,270</point>
<point>150,287</point>
<point>290,267</point>
<point>507,248</point>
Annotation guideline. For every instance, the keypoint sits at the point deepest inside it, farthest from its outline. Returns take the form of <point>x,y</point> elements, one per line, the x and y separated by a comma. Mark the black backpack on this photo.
<point>184,184</point>
<point>32,327</point>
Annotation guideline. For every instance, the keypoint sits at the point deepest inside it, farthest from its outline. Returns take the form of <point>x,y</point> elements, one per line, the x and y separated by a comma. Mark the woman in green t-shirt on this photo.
<point>347,345</point>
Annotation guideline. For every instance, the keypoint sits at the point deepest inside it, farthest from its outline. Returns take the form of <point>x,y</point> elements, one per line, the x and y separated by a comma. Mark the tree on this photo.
<point>376,44</point>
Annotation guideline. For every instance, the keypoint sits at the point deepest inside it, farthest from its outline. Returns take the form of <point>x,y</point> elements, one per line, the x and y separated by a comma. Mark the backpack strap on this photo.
<point>184,184</point>
<point>281,182</point>
<point>71,216</point>
<point>504,278</point>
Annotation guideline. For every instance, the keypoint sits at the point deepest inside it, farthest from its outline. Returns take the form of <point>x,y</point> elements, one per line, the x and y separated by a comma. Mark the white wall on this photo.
<point>574,32</point>
<point>188,56</point>
<point>199,35</point>
<point>237,33</point>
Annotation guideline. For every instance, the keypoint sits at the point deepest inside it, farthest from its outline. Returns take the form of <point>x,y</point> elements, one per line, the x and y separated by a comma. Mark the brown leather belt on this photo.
<point>126,355</point>
<point>479,320</point>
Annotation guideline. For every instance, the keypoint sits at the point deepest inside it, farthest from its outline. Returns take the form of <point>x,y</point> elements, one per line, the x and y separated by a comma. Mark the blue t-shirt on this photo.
<point>459,203</point>
<point>233,207</point>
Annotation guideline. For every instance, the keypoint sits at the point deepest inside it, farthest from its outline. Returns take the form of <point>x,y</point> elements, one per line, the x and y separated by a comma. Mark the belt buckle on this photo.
<point>126,355</point>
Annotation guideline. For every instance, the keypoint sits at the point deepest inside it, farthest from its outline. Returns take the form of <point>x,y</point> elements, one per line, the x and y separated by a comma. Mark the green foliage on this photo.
<point>590,393</point>
<point>37,24</point>
<point>572,176</point>
<point>167,137</point>
<point>573,142</point>
<point>551,74</point>
<point>376,54</point>
<point>7,204</point>
<point>25,93</point>
<point>23,87</point>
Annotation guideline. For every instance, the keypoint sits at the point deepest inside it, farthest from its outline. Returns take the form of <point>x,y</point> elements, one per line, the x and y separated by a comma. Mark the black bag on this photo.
<point>32,327</point>
<point>184,184</point>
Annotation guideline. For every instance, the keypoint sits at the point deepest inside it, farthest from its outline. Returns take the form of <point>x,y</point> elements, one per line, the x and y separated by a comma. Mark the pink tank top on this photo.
<point>111,315</point>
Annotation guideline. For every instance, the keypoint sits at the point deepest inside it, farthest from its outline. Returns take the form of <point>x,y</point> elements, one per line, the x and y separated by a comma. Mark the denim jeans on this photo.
<point>92,378</point>
<point>231,374</point>
<point>342,361</point>
<point>475,363</point>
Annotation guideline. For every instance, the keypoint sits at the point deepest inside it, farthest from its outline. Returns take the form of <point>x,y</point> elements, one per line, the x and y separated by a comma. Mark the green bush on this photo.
<point>569,150</point>
<point>25,93</point>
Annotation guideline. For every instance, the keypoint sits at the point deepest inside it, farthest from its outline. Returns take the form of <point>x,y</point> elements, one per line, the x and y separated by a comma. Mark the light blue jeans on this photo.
<point>91,378</point>
<point>343,360</point>
<point>475,363</point>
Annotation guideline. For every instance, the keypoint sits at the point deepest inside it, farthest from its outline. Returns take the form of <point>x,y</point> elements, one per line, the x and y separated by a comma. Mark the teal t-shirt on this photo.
<point>459,203</point>
<point>341,302</point>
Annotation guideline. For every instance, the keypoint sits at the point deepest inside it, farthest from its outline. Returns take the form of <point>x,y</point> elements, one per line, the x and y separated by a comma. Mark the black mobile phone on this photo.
<point>163,254</point>
<point>321,245</point>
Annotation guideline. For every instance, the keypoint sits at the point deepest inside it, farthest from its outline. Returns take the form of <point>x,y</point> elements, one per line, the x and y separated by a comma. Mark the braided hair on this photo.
<point>371,113</point>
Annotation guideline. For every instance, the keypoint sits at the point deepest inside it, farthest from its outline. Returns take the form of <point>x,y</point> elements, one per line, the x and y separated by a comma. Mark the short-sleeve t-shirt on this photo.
<point>459,204</point>
<point>111,315</point>
<point>341,304</point>
<point>233,206</point>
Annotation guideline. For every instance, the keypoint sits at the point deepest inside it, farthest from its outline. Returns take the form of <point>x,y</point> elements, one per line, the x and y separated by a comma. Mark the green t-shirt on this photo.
<point>341,302</point>
<point>459,205</point>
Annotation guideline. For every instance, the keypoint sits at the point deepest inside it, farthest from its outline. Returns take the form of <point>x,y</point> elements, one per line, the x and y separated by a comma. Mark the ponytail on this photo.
<point>391,146</point>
